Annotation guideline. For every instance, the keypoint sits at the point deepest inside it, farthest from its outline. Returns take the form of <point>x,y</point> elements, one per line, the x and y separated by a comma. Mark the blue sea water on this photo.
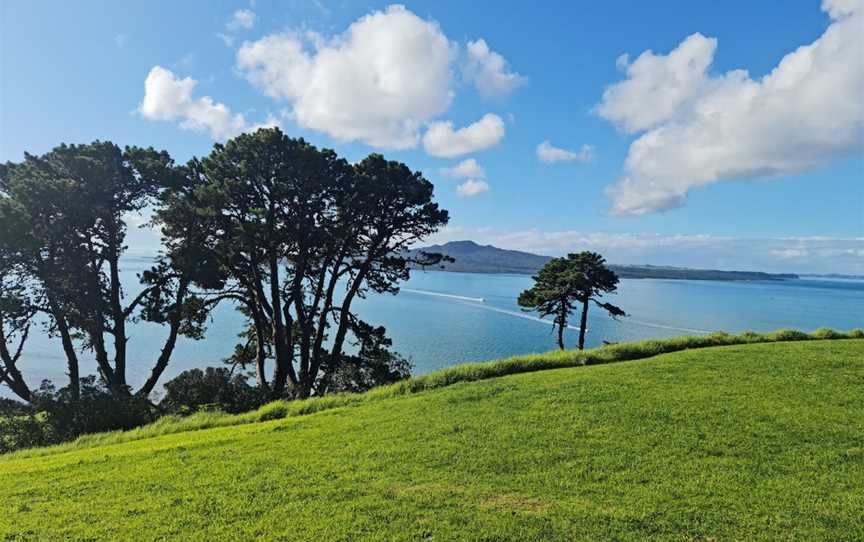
<point>441,319</point>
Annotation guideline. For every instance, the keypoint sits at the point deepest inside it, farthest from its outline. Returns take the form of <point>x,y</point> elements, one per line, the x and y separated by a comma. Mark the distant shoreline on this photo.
<point>636,272</point>
<point>471,257</point>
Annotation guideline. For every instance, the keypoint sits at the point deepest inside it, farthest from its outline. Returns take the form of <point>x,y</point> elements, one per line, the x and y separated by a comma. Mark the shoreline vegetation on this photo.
<point>466,372</point>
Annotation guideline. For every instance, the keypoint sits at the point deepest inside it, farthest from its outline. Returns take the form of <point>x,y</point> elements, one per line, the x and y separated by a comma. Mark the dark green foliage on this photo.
<point>374,365</point>
<point>564,282</point>
<point>213,388</point>
<point>62,234</point>
<point>279,227</point>
<point>54,416</point>
<point>96,410</point>
<point>22,431</point>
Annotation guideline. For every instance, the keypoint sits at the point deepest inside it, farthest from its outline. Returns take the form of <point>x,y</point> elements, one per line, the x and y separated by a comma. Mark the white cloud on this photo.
<point>169,98</point>
<point>549,154</point>
<point>443,141</point>
<point>242,19</point>
<point>488,72</point>
<point>227,39</point>
<point>658,86</point>
<point>121,40</point>
<point>378,82</point>
<point>465,169</point>
<point>793,254</point>
<point>701,128</point>
<point>472,187</point>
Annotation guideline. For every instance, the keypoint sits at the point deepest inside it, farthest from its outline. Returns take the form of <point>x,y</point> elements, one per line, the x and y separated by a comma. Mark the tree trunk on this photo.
<point>9,373</point>
<point>322,319</point>
<point>344,314</point>
<point>583,324</point>
<point>260,352</point>
<point>561,334</point>
<point>68,349</point>
<point>119,321</point>
<point>170,342</point>
<point>281,331</point>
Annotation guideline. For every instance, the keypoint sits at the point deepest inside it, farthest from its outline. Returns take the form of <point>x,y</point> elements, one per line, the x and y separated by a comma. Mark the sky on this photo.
<point>726,134</point>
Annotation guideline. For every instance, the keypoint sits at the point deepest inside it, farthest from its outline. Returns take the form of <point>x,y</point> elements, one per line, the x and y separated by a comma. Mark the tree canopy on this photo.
<point>577,279</point>
<point>292,235</point>
<point>289,234</point>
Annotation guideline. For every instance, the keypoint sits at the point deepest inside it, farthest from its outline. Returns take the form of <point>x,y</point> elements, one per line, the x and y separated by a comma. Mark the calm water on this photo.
<point>439,319</point>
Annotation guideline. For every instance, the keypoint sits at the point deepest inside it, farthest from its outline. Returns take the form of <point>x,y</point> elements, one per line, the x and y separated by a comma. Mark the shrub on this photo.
<point>214,388</point>
<point>827,333</point>
<point>95,411</point>
<point>273,411</point>
<point>789,335</point>
<point>22,431</point>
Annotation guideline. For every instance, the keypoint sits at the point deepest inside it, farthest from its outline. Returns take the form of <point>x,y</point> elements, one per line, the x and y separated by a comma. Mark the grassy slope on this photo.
<point>747,442</point>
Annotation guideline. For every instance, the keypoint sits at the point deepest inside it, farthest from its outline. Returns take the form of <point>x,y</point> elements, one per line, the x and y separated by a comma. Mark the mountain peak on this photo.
<point>466,244</point>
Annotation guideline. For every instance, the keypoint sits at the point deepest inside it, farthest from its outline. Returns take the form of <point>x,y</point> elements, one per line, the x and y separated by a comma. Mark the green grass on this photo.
<point>745,442</point>
<point>466,372</point>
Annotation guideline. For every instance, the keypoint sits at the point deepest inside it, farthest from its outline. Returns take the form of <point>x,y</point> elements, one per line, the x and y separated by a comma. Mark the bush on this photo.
<point>214,388</point>
<point>95,411</point>
<point>827,333</point>
<point>56,417</point>
<point>790,335</point>
<point>22,431</point>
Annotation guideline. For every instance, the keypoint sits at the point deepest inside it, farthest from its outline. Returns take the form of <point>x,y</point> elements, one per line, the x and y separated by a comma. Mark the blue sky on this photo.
<point>665,156</point>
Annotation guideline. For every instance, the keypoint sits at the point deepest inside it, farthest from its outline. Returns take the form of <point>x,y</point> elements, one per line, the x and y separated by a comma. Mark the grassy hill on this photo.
<point>749,442</point>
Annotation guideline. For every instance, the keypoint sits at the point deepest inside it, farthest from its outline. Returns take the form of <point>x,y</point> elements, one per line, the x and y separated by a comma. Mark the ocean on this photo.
<point>444,318</point>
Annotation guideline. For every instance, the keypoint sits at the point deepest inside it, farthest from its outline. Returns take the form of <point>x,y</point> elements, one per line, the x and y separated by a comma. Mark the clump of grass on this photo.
<point>789,335</point>
<point>828,333</point>
<point>466,372</point>
<point>272,411</point>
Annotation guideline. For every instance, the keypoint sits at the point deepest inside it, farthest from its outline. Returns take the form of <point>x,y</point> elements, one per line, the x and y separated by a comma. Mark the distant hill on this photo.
<point>474,258</point>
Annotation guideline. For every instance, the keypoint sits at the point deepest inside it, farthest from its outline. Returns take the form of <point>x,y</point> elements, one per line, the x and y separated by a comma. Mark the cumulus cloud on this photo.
<point>378,82</point>
<point>550,154</point>
<point>242,19</point>
<point>442,140</point>
<point>697,128</point>
<point>472,187</point>
<point>465,169</point>
<point>488,71</point>
<point>169,98</point>
<point>787,254</point>
<point>657,86</point>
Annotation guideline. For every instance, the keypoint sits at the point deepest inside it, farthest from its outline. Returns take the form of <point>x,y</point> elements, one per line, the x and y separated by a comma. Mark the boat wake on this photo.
<point>450,296</point>
<point>521,315</point>
<point>480,303</point>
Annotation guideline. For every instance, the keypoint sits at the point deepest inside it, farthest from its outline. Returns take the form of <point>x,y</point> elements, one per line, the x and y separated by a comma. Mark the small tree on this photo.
<point>564,282</point>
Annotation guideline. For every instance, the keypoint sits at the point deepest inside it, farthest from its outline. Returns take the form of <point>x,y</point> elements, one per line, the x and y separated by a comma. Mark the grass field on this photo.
<point>747,442</point>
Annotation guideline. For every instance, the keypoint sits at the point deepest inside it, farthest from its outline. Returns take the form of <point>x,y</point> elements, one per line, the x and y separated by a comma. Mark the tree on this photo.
<point>16,317</point>
<point>563,282</point>
<point>292,235</point>
<point>62,235</point>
